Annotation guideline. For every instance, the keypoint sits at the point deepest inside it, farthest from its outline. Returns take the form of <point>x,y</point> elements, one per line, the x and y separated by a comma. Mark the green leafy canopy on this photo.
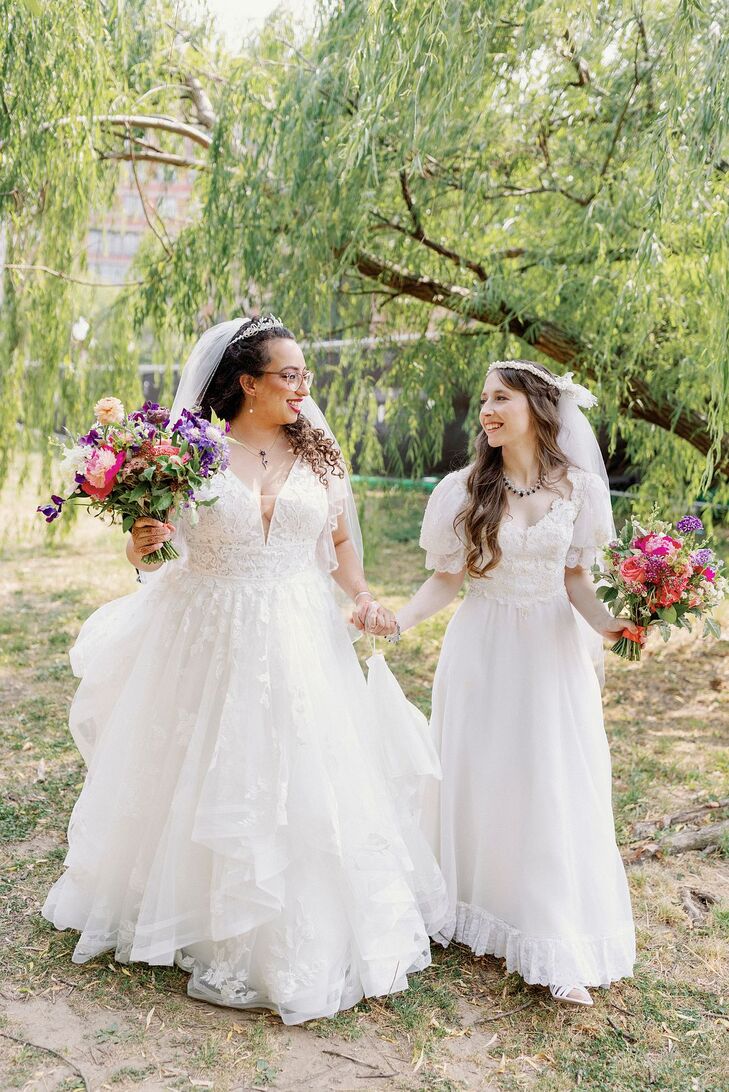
<point>532,179</point>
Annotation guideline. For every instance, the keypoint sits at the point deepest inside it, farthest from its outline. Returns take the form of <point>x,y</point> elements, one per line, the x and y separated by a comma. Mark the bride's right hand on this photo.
<point>148,534</point>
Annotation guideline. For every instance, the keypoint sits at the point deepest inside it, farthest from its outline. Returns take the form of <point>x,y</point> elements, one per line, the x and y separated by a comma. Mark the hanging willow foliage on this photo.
<point>499,178</point>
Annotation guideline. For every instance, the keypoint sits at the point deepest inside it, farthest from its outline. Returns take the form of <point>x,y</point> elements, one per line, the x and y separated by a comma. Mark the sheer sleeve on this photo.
<point>338,495</point>
<point>593,526</point>
<point>444,547</point>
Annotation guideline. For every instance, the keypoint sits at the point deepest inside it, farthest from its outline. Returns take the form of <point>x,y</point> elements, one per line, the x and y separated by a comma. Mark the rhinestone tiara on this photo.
<point>267,322</point>
<point>564,383</point>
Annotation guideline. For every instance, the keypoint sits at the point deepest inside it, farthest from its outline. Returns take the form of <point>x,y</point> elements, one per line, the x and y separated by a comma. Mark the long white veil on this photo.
<point>578,441</point>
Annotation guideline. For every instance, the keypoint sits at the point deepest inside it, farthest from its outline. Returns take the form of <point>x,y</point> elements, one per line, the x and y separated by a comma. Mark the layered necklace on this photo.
<point>263,453</point>
<point>526,492</point>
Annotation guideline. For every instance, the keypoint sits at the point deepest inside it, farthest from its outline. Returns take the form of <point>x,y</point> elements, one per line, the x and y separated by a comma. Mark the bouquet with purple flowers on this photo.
<point>661,577</point>
<point>139,465</point>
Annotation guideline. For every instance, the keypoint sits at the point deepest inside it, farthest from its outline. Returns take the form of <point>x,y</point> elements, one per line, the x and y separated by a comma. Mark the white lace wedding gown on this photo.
<point>525,832</point>
<point>236,817</point>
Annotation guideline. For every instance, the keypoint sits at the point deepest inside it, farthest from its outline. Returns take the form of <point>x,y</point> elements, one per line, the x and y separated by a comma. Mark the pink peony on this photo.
<point>656,545</point>
<point>101,471</point>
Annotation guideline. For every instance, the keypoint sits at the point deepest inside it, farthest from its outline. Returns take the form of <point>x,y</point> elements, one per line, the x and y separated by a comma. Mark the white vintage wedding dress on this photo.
<point>236,817</point>
<point>525,832</point>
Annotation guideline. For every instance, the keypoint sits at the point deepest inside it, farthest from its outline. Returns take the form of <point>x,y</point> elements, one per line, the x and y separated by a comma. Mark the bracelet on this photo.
<point>395,637</point>
<point>363,593</point>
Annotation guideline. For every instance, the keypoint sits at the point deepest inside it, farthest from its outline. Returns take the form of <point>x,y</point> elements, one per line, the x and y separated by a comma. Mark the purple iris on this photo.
<point>211,450</point>
<point>91,437</point>
<point>690,524</point>
<point>51,511</point>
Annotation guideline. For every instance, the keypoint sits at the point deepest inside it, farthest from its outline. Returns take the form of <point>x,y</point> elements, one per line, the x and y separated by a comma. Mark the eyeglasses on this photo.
<point>293,378</point>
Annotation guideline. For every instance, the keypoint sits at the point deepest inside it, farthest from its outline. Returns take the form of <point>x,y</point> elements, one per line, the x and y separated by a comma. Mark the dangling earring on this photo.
<point>251,409</point>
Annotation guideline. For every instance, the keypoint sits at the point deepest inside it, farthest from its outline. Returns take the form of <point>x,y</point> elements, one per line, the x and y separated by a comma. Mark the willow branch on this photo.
<point>204,111</point>
<point>164,243</point>
<point>419,235</point>
<point>13,266</point>
<point>154,157</point>
<point>137,121</point>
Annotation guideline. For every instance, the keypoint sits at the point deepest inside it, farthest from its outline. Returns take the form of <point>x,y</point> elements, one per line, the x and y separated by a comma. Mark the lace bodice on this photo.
<point>533,561</point>
<point>229,540</point>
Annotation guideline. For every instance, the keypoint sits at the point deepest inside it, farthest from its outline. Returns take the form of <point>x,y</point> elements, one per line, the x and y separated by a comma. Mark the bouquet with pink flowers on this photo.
<point>139,465</point>
<point>654,577</point>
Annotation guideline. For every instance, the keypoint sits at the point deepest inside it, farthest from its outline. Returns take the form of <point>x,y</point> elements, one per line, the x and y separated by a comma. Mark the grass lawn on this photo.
<point>464,1024</point>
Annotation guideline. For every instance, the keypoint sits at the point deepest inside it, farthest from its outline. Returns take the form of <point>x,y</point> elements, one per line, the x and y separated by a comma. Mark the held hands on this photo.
<point>148,534</point>
<point>370,617</point>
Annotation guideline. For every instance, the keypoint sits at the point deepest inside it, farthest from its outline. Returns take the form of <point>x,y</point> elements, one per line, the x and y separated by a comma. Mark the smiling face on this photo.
<point>275,402</point>
<point>505,415</point>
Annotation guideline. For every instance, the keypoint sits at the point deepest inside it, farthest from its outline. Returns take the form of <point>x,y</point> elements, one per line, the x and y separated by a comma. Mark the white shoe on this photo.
<point>571,995</point>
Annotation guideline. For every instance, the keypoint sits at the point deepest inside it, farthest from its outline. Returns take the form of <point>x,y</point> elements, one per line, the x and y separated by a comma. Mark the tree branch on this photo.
<point>154,157</point>
<point>164,243</point>
<point>206,116</point>
<point>137,121</point>
<point>408,198</point>
<point>419,235</point>
<point>68,277</point>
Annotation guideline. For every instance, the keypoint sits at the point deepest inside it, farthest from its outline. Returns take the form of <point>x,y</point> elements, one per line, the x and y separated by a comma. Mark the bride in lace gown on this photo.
<point>236,817</point>
<point>525,830</point>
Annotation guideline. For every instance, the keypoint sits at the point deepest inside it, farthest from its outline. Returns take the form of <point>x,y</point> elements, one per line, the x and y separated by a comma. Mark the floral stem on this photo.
<point>166,552</point>
<point>627,649</point>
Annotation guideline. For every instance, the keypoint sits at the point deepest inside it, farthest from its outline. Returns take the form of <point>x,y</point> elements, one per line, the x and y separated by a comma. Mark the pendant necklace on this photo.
<point>262,452</point>
<point>522,492</point>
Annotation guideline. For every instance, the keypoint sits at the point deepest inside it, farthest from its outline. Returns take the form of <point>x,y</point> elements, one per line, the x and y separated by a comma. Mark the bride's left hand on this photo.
<point>372,617</point>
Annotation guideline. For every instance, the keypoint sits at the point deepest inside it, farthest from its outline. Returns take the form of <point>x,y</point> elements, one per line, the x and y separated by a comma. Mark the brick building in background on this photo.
<point>115,235</point>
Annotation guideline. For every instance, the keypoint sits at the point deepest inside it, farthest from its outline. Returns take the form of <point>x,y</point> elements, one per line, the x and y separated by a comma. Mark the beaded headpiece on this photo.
<point>268,322</point>
<point>564,384</point>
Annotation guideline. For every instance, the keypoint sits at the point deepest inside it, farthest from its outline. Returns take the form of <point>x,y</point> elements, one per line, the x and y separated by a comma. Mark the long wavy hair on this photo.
<point>225,396</point>
<point>484,511</point>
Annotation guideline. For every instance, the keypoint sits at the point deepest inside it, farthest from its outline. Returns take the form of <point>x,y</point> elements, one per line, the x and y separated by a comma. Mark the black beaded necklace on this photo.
<point>522,492</point>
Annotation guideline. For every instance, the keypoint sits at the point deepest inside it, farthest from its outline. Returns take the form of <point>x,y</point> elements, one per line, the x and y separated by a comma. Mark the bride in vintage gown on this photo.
<point>525,830</point>
<point>236,816</point>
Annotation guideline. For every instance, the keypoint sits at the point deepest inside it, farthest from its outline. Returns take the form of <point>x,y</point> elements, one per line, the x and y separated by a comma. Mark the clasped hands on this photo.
<point>371,617</point>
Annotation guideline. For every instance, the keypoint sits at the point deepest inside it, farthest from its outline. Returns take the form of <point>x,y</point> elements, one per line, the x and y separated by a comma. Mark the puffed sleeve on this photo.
<point>593,526</point>
<point>444,546</point>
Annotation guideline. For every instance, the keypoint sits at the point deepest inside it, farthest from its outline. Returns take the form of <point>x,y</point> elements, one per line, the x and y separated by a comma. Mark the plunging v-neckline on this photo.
<point>265,537</point>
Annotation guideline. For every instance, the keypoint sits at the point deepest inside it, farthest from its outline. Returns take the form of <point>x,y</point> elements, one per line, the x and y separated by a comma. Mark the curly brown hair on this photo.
<point>482,516</point>
<point>225,396</point>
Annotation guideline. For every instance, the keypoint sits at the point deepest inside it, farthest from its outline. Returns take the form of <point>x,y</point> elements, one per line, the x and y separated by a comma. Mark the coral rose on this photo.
<point>631,569</point>
<point>109,411</point>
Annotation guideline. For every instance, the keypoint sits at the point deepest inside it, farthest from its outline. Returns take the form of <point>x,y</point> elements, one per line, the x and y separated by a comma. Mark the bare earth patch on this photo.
<point>464,1024</point>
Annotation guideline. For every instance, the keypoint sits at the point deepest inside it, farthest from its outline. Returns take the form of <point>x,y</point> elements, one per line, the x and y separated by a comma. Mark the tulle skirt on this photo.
<point>244,814</point>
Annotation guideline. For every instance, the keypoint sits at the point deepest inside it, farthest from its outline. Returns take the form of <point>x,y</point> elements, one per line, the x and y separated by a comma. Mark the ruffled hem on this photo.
<point>576,961</point>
